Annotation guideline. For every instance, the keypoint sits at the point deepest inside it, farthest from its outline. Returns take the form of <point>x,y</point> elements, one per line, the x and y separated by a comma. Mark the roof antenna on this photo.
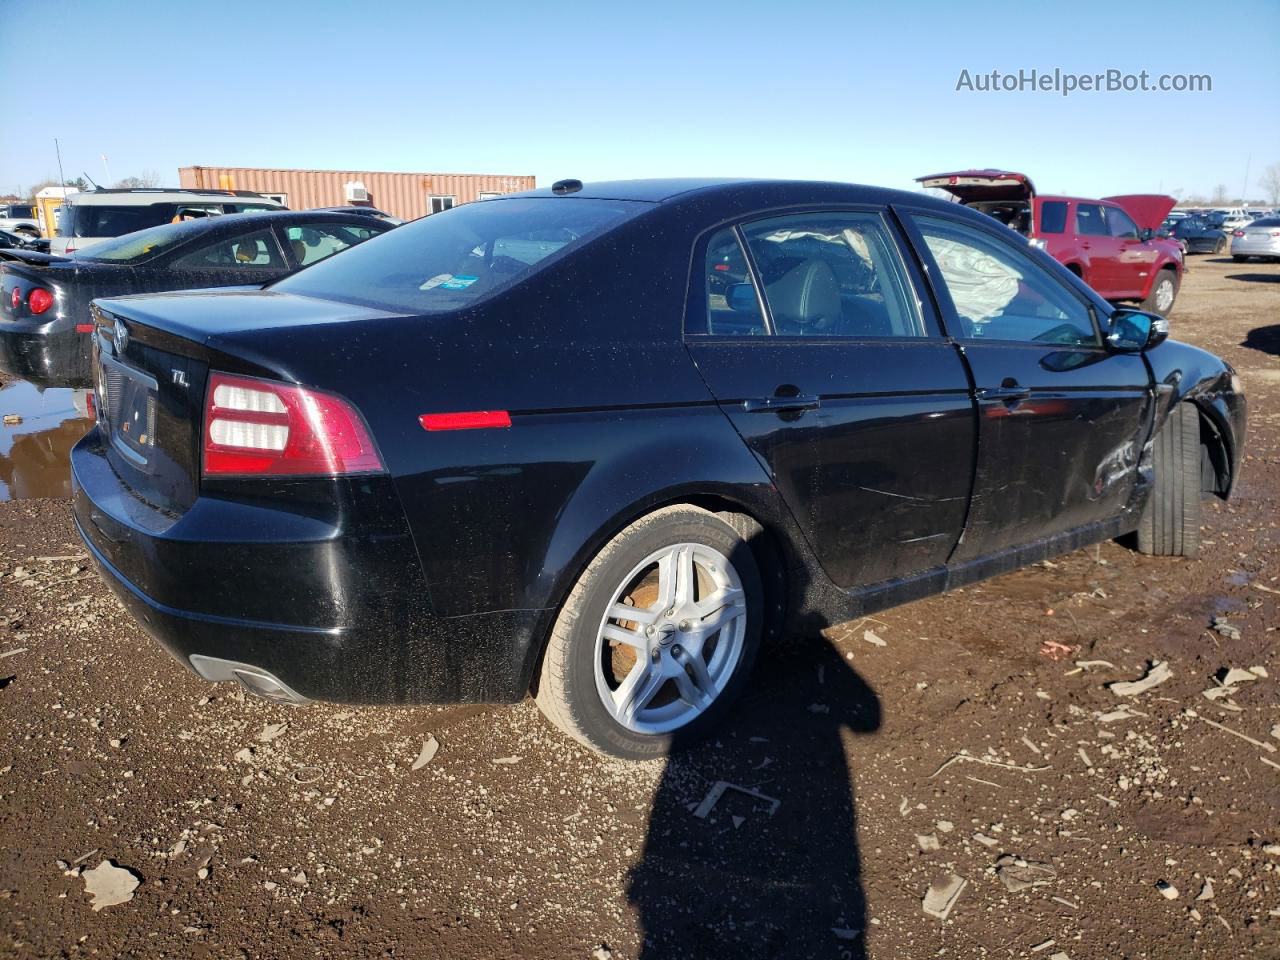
<point>561,187</point>
<point>90,179</point>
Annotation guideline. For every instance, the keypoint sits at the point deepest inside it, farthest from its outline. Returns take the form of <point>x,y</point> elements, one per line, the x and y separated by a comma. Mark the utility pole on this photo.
<point>106,169</point>
<point>1244,198</point>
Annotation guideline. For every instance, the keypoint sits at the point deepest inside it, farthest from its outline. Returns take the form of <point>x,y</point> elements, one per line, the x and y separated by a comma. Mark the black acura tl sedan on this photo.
<point>45,325</point>
<point>594,442</point>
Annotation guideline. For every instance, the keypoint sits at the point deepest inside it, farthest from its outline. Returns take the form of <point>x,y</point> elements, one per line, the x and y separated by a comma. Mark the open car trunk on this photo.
<point>1001,194</point>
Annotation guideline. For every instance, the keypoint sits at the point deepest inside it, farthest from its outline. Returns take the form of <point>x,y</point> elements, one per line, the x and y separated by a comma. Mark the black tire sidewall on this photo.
<point>580,681</point>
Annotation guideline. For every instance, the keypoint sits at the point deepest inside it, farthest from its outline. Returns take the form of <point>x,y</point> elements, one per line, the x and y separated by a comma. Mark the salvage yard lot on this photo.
<point>934,739</point>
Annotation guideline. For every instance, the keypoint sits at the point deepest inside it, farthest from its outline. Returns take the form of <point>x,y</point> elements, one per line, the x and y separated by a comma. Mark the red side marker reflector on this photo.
<point>84,328</point>
<point>471,420</point>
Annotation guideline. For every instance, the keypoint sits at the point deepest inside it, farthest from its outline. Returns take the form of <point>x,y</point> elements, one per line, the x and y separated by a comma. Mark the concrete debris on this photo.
<point>1017,874</point>
<point>271,731</point>
<point>986,841</point>
<point>964,757</point>
<point>718,790</point>
<point>942,895</point>
<point>871,637</point>
<point>1060,955</point>
<point>1043,945</point>
<point>1088,664</point>
<point>1224,628</point>
<point>109,884</point>
<point>270,886</point>
<point>946,826</point>
<point>13,653</point>
<point>1167,890</point>
<point>245,755</point>
<point>300,878</point>
<point>1275,731</point>
<point>602,952</point>
<point>1233,676</point>
<point>1206,890</point>
<point>1124,713</point>
<point>1155,676</point>
<point>1272,849</point>
<point>928,842</point>
<point>507,761</point>
<point>430,746</point>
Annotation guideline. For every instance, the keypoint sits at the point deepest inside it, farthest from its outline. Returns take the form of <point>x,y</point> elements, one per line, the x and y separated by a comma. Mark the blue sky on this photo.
<point>822,90</point>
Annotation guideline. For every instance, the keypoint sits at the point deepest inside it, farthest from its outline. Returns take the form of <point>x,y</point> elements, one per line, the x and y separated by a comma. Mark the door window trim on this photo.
<point>942,295</point>
<point>896,237</point>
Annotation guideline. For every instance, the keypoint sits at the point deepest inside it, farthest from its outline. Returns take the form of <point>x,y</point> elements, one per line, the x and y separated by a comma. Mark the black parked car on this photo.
<point>22,241</point>
<point>44,310</point>
<point>540,443</point>
<point>1198,236</point>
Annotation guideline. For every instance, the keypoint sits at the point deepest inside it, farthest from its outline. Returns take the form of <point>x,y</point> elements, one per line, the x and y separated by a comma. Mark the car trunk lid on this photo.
<point>1148,210</point>
<point>153,358</point>
<point>969,186</point>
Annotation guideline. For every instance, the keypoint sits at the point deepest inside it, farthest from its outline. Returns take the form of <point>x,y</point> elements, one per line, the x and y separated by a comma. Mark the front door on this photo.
<point>1101,249</point>
<point>1061,420</point>
<point>1135,256</point>
<point>837,377</point>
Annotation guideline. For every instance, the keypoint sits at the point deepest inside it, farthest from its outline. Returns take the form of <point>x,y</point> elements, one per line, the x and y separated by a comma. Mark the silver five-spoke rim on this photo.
<point>1164,294</point>
<point>670,638</point>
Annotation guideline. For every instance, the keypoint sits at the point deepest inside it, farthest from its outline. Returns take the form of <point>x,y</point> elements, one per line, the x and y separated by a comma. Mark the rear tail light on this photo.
<point>1237,233</point>
<point>39,300</point>
<point>264,428</point>
<point>15,298</point>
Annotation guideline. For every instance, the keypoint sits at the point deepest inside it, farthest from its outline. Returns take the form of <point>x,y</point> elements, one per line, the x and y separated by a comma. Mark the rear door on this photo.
<point>1061,420</point>
<point>809,332</point>
<point>253,257</point>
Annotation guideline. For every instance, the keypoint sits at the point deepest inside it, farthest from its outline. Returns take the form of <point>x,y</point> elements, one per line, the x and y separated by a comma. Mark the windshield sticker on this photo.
<point>459,283</point>
<point>435,281</point>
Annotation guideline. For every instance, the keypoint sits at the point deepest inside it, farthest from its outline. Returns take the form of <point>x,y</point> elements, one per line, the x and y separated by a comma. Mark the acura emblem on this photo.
<point>120,336</point>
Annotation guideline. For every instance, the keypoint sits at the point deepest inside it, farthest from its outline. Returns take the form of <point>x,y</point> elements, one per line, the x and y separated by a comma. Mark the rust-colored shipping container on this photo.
<point>407,195</point>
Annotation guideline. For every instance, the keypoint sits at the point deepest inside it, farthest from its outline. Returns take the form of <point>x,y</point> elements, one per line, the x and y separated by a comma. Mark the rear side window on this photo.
<point>1053,216</point>
<point>1089,220</point>
<point>833,275</point>
<point>312,242</point>
<point>100,220</point>
<point>461,256</point>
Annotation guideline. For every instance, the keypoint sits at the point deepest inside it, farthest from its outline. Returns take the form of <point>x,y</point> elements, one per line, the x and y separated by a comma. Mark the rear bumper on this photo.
<point>48,355</point>
<point>321,593</point>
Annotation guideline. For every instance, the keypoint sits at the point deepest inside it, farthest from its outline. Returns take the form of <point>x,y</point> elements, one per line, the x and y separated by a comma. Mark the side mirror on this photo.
<point>1146,234</point>
<point>1133,331</point>
<point>742,297</point>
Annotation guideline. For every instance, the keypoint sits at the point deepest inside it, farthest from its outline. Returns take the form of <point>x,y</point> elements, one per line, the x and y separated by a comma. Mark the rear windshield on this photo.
<point>454,259</point>
<point>1266,222</point>
<point>143,244</point>
<point>19,212</point>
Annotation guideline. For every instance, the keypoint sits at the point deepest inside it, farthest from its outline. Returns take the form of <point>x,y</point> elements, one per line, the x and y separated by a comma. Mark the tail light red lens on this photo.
<point>265,428</point>
<point>1237,233</point>
<point>39,300</point>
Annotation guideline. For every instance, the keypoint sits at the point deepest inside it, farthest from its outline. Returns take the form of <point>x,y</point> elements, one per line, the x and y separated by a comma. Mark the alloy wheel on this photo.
<point>671,637</point>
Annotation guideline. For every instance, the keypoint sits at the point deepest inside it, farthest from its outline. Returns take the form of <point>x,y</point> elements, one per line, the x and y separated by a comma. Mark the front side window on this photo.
<point>1089,220</point>
<point>1120,224</point>
<point>833,275</point>
<point>441,204</point>
<point>1053,216</point>
<point>312,242</point>
<point>257,249</point>
<point>733,307</point>
<point>1002,294</point>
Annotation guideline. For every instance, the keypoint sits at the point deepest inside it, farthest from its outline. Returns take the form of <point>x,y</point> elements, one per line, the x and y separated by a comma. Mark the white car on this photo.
<point>19,218</point>
<point>1260,238</point>
<point>87,218</point>
<point>1235,218</point>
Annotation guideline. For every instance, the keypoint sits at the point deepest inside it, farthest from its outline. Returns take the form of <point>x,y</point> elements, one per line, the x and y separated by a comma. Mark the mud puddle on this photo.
<point>40,428</point>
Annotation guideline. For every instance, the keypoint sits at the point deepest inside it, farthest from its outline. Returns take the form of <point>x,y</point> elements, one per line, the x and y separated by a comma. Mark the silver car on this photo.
<point>1258,239</point>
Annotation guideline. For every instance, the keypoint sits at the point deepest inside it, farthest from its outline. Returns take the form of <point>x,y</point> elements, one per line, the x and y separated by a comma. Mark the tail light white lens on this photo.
<point>264,428</point>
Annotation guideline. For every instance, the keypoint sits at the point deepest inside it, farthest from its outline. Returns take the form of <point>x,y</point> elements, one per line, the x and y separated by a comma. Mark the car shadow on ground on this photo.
<point>772,871</point>
<point>1255,277</point>
<point>1266,339</point>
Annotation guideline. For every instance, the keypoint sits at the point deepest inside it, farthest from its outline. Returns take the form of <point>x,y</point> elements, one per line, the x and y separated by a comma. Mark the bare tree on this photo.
<point>149,178</point>
<point>1270,183</point>
<point>1219,195</point>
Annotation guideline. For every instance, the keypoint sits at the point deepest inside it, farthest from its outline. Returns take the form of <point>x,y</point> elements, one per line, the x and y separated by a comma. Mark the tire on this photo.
<point>1219,247</point>
<point>1170,524</point>
<point>1164,291</point>
<point>585,675</point>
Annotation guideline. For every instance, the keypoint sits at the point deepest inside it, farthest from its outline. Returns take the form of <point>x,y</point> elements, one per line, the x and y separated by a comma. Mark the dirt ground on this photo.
<point>269,831</point>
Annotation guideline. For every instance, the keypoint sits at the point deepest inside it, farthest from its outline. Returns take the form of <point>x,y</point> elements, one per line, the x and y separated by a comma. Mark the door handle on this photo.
<point>1086,246</point>
<point>1009,394</point>
<point>781,404</point>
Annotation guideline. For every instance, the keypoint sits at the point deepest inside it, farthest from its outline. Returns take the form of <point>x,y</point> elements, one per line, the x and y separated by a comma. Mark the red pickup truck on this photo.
<point>1111,242</point>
